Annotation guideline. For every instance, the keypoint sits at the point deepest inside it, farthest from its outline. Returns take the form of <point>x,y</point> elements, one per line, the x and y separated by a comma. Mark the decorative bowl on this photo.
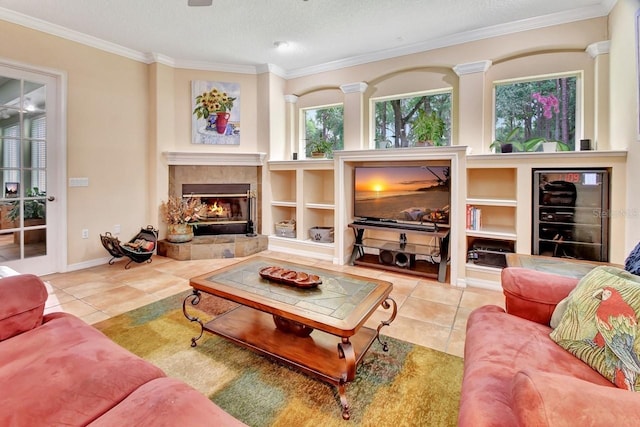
<point>298,279</point>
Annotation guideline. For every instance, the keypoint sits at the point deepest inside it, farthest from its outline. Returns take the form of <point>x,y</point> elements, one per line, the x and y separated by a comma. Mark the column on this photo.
<point>600,53</point>
<point>291,131</point>
<point>472,115</point>
<point>161,137</point>
<point>356,135</point>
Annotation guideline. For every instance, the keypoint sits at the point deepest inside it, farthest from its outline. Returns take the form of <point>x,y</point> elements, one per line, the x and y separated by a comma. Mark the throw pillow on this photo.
<point>600,325</point>
<point>632,263</point>
<point>560,309</point>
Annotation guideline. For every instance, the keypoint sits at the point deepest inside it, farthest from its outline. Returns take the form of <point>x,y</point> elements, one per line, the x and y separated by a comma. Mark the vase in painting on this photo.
<point>222,118</point>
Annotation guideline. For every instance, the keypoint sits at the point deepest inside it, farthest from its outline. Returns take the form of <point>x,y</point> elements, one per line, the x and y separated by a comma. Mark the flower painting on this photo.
<point>215,112</point>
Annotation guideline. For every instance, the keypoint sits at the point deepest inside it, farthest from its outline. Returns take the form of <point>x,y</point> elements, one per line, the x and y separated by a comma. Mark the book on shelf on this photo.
<point>474,218</point>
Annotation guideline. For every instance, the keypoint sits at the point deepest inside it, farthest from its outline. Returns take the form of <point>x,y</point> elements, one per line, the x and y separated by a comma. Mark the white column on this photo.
<point>471,111</point>
<point>356,136</point>
<point>291,131</point>
<point>600,53</point>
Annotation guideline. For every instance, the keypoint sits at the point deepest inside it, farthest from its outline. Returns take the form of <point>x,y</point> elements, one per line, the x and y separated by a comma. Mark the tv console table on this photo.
<point>429,260</point>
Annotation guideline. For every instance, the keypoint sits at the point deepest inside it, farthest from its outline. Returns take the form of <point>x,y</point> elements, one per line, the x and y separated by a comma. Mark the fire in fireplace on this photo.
<point>229,208</point>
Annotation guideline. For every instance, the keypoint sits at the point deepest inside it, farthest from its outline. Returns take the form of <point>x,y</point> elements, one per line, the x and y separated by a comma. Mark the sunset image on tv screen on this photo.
<point>411,193</point>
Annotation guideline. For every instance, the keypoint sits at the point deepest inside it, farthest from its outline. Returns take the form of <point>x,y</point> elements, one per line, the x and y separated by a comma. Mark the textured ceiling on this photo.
<point>321,33</point>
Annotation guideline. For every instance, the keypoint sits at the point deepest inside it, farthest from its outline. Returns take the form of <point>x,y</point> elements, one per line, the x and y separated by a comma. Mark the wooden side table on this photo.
<point>562,266</point>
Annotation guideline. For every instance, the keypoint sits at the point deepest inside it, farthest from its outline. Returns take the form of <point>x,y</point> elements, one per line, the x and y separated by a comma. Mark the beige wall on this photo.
<point>122,114</point>
<point>624,108</point>
<point>537,52</point>
<point>107,133</point>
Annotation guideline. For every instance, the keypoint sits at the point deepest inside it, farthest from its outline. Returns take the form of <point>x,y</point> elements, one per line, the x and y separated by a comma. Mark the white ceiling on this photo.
<point>239,35</point>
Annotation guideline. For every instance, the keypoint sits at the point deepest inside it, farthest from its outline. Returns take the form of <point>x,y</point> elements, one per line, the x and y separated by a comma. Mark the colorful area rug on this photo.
<point>409,385</point>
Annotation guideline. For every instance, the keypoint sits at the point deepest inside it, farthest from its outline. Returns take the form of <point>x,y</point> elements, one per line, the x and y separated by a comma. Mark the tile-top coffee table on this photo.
<point>316,330</point>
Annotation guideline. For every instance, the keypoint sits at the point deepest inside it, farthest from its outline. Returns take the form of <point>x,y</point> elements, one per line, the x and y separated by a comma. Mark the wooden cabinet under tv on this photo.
<point>428,259</point>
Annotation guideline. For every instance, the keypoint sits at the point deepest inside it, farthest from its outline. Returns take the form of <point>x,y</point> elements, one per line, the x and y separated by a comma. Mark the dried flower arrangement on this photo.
<point>178,210</point>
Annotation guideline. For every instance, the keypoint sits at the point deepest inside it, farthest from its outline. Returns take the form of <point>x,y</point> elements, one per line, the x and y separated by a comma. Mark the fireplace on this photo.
<point>229,208</point>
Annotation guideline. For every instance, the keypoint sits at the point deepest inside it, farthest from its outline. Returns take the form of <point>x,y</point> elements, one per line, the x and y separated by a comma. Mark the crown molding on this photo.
<point>75,36</point>
<point>160,59</point>
<point>594,11</point>
<point>215,66</point>
<point>271,68</point>
<point>589,12</point>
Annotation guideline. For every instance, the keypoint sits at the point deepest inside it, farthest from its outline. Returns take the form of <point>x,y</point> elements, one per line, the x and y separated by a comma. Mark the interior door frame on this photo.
<point>56,168</point>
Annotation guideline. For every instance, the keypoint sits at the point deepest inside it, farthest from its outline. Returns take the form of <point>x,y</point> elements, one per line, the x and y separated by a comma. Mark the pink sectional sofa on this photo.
<point>516,375</point>
<point>57,370</point>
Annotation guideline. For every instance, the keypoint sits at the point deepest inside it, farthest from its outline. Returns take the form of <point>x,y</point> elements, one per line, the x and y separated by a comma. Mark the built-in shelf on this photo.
<point>303,191</point>
<point>492,202</point>
<point>290,204</point>
<point>328,206</point>
<point>496,232</point>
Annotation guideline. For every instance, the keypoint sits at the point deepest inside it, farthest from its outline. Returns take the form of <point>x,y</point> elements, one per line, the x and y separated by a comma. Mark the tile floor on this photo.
<point>431,314</point>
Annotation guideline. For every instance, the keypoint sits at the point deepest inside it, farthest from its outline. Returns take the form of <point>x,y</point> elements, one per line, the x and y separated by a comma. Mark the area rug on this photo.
<point>409,385</point>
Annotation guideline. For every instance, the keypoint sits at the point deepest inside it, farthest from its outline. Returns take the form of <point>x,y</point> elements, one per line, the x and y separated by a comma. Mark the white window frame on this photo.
<point>302,113</point>
<point>579,119</point>
<point>372,110</point>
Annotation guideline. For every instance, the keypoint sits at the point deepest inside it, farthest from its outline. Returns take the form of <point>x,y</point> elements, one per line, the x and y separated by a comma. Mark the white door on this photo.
<point>30,148</point>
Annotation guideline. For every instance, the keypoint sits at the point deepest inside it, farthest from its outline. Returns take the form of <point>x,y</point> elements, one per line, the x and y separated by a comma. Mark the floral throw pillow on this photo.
<point>600,325</point>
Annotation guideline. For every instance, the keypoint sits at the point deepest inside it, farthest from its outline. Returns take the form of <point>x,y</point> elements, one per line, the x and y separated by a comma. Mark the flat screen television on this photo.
<point>412,194</point>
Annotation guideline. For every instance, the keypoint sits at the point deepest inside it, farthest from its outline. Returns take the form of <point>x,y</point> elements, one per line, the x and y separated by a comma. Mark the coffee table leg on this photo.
<point>194,299</point>
<point>346,352</point>
<point>343,401</point>
<point>386,304</point>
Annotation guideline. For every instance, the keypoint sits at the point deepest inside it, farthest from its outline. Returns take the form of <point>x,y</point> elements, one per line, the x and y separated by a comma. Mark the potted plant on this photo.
<point>509,144</point>
<point>319,148</point>
<point>181,214</point>
<point>34,209</point>
<point>428,128</point>
<point>547,146</point>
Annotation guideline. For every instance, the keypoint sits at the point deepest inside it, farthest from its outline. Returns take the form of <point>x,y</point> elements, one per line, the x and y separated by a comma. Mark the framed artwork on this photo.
<point>11,190</point>
<point>215,113</point>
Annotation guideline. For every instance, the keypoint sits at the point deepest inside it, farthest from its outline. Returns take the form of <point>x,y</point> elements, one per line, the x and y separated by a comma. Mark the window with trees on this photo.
<point>528,113</point>
<point>323,130</point>
<point>413,120</point>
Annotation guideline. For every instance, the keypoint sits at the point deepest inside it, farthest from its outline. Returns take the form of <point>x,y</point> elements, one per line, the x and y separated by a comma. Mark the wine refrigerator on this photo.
<point>571,213</point>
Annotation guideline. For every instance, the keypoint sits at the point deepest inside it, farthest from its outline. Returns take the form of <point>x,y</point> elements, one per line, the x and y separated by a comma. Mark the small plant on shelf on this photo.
<point>428,128</point>
<point>319,148</point>
<point>509,144</point>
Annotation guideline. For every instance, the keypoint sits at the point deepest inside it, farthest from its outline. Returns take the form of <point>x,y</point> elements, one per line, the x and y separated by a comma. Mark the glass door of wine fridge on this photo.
<point>570,213</point>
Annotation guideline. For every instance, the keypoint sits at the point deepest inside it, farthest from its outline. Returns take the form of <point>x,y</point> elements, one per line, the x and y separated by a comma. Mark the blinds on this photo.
<point>39,153</point>
<point>11,153</point>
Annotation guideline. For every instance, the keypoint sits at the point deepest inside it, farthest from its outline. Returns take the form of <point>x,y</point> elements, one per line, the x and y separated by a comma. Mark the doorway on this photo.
<point>31,149</point>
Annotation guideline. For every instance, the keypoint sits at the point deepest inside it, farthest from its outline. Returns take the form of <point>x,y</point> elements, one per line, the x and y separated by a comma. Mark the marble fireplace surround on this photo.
<point>216,168</point>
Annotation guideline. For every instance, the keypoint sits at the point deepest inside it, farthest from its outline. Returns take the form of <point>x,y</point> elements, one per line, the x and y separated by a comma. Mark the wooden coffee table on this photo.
<point>317,330</point>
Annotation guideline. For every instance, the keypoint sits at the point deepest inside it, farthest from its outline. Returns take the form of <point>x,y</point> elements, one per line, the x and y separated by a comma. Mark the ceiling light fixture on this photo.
<point>200,2</point>
<point>28,105</point>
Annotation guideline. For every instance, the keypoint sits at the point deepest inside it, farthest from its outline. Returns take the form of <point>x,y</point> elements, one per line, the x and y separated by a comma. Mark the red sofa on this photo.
<point>57,370</point>
<point>515,375</point>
